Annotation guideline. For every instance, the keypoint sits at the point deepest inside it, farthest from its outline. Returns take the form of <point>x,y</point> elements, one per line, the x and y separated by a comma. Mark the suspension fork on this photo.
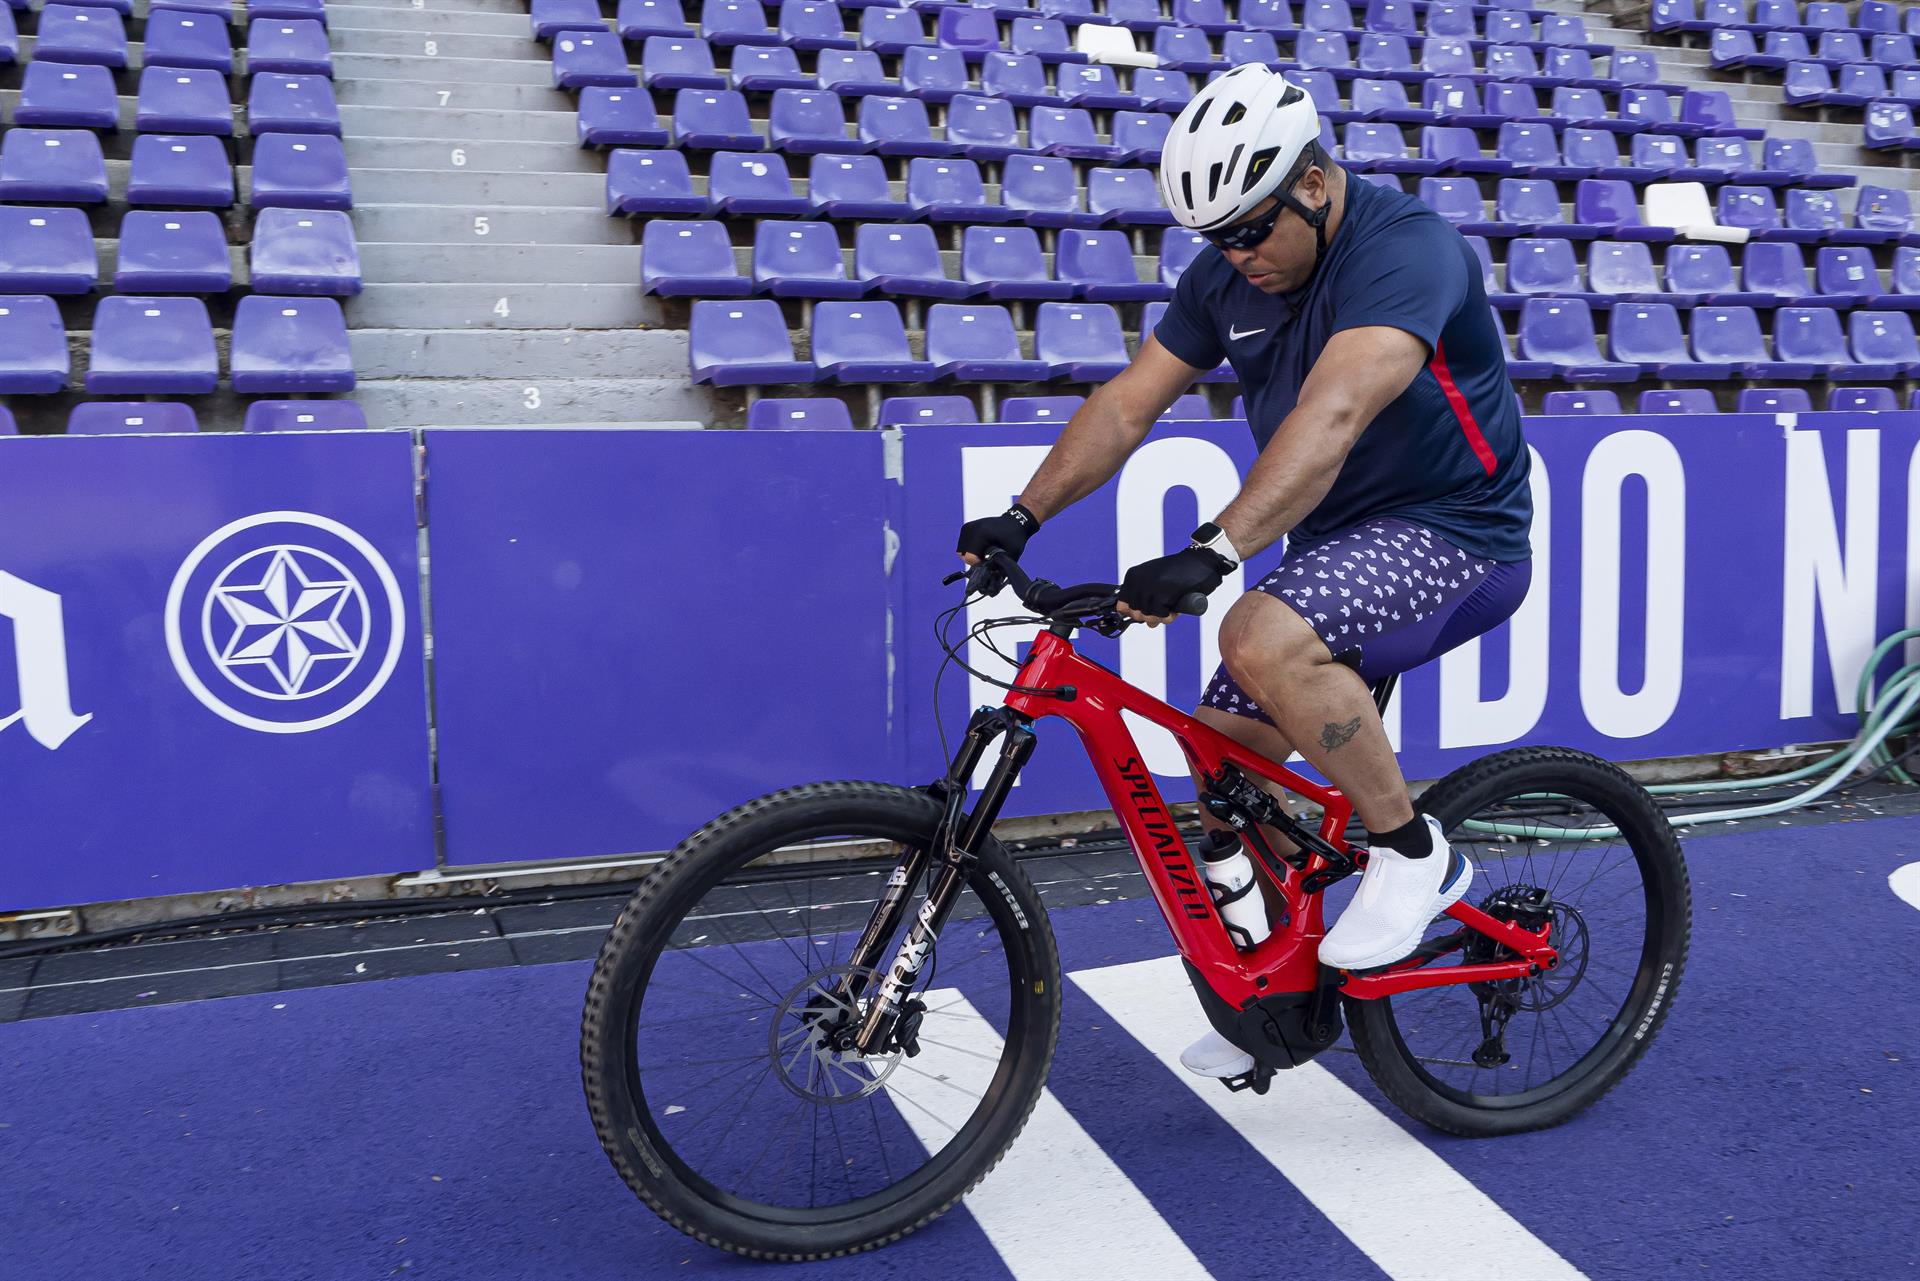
<point>953,852</point>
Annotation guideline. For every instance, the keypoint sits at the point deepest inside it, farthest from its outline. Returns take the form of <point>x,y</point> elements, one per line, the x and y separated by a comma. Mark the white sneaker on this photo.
<point>1398,897</point>
<point>1215,1055</point>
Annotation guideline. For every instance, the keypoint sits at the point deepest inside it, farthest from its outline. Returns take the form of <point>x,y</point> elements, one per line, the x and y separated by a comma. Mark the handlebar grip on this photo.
<point>1194,603</point>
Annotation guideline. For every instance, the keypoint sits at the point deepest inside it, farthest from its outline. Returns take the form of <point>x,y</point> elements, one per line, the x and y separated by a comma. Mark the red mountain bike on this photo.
<point>829,1012</point>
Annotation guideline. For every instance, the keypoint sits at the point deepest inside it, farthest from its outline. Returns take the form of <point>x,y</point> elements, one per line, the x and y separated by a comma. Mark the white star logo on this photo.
<point>287,622</point>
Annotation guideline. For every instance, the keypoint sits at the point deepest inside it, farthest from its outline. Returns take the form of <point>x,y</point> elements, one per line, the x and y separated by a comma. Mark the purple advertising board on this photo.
<point>210,664</point>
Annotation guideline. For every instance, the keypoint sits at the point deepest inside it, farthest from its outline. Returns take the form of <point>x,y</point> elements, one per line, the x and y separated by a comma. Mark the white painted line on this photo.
<point>1414,1215</point>
<point>1056,1207</point>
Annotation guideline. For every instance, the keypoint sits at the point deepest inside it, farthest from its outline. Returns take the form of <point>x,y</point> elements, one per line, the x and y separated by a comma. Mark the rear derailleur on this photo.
<point>1530,908</point>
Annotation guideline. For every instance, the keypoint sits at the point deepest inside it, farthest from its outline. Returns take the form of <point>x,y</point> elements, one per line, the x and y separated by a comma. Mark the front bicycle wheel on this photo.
<point>708,1046</point>
<point>1554,835</point>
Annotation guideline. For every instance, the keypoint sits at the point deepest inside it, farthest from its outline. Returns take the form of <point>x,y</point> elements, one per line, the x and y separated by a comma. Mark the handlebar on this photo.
<point>1043,597</point>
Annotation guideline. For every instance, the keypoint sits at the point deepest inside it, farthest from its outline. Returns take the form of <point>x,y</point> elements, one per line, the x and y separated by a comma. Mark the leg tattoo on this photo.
<point>1332,735</point>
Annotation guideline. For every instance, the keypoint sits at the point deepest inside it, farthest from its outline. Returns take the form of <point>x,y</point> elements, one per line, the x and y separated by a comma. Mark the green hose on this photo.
<point>1881,718</point>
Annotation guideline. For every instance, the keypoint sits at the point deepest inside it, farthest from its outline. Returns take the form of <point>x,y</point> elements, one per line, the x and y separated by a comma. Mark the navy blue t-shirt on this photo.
<point>1446,453</point>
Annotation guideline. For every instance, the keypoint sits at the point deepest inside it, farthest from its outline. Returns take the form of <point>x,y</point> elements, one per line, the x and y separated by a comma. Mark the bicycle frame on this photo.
<point>1064,683</point>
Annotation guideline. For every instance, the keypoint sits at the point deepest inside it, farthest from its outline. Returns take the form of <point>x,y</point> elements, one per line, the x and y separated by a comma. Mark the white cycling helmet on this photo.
<point>1236,144</point>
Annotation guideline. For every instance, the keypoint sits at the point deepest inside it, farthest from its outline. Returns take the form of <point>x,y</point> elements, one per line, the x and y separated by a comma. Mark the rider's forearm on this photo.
<point>1092,446</point>
<point>1288,480</point>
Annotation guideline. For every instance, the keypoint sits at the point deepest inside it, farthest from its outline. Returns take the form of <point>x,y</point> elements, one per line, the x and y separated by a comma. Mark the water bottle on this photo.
<point>1235,890</point>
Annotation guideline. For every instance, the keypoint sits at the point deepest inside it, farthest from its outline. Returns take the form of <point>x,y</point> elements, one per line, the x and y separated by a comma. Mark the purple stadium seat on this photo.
<point>1809,84</point>
<point>582,58</point>
<point>972,30</point>
<point>891,31</point>
<point>305,251</point>
<point>1045,38</point>
<point>898,126</point>
<point>67,95</point>
<point>951,191</point>
<point>860,342</point>
<point>1376,100</point>
<point>81,33</point>
<point>183,100</point>
<point>1889,126</point>
<point>666,62</point>
<point>181,170</point>
<point>1162,91</point>
<point>1883,209</point>
<point>1067,131</point>
<point>1019,78</point>
<point>289,345</point>
<point>1267,15</point>
<point>1392,15</point>
<point>1512,62</point>
<point>152,347</point>
<point>52,165</point>
<point>803,413</point>
<point>809,122</point>
<point>1753,208</point>
<point>1447,56</point>
<point>745,182</point>
<point>1081,342</point>
<point>1457,200</point>
<point>1039,409</point>
<point>1208,15</point>
<point>292,104</point>
<point>1094,87</point>
<point>977,344</point>
<point>984,128</point>
<point>1773,400</point>
<point>1845,274</point>
<point>300,171</point>
<point>46,251</point>
<point>1369,147</point>
<point>689,259</point>
<point>851,73</point>
<point>1906,282</point>
<point>314,10</point>
<point>1543,266</point>
<point>304,415</point>
<point>173,253</point>
<point>801,260</point>
<point>1648,334</point>
<point>852,187</point>
<point>1185,49</point>
<point>636,20</point>
<point>1533,148</point>
<point>734,22</point>
<point>651,182</point>
<point>551,17</point>
<point>713,120</point>
<point>1657,156</point>
<point>757,69</point>
<point>926,411</point>
<point>933,75</point>
<point>1597,152</point>
<point>1773,273</point>
<point>1130,197</point>
<point>1867,399</point>
<point>1601,400</point>
<point>1451,149</point>
<point>1099,265</point>
<point>33,347</point>
<point>115,418</point>
<point>1679,400</point>
<point>1385,54</point>
<point>1531,206</point>
<point>1238,47</point>
<point>1794,157</point>
<point>177,38</point>
<point>1006,263</point>
<point>1883,345</point>
<point>1559,331</point>
<point>1812,337</point>
<point>1191,407</point>
<point>1044,191</point>
<point>1178,248</point>
<point>611,117</point>
<point>1732,335</point>
<point>811,24</point>
<point>904,260</point>
<point>1729,160</point>
<point>299,47</point>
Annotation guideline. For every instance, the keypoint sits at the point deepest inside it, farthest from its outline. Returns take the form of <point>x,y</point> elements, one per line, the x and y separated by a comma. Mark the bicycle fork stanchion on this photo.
<point>890,1020</point>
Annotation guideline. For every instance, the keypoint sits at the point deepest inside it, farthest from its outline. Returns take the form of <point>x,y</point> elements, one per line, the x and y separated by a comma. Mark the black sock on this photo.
<point>1415,839</point>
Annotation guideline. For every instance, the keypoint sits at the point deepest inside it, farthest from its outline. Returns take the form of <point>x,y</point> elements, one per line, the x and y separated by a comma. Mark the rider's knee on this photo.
<point>1260,631</point>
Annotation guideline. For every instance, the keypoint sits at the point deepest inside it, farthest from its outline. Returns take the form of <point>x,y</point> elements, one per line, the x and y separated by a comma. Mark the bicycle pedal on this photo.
<point>1257,1080</point>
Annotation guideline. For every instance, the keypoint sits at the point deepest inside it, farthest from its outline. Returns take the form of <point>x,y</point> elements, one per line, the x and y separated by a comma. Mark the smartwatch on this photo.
<point>1214,539</point>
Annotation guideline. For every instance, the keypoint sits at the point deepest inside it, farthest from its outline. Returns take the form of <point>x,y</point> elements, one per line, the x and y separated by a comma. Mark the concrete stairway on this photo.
<point>498,291</point>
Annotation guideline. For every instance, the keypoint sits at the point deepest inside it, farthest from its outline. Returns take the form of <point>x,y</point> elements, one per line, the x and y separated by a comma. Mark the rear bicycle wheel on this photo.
<point>1554,835</point>
<point>707,1046</point>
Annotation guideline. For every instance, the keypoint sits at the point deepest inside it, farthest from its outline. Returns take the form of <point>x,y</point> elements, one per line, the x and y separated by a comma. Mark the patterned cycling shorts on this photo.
<point>1385,596</point>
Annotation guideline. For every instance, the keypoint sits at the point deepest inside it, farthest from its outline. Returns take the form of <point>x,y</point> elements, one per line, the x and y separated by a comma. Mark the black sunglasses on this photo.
<point>1245,235</point>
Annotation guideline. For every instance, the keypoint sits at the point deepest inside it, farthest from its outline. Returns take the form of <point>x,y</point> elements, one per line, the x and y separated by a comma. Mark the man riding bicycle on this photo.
<point>1391,458</point>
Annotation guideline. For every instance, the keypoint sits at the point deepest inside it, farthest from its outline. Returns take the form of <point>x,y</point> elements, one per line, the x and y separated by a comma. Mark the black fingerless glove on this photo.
<point>1008,531</point>
<point>1156,587</point>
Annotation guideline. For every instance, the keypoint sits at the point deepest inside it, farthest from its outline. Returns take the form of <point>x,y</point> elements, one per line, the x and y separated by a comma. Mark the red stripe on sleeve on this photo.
<point>1476,440</point>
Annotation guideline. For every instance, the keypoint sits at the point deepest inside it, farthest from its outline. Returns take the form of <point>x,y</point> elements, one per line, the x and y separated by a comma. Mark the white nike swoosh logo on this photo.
<point>1235,334</point>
